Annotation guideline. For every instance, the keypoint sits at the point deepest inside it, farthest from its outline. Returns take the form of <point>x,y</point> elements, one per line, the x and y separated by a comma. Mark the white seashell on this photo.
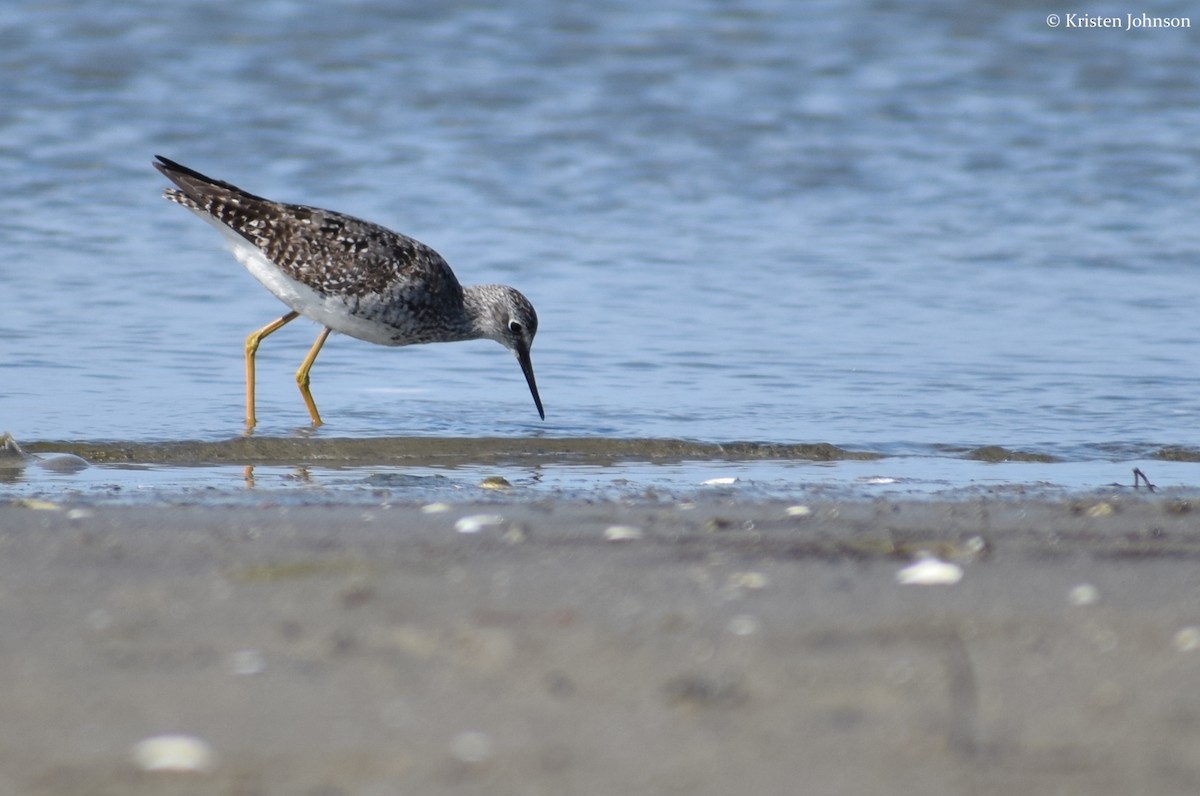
<point>182,753</point>
<point>1084,594</point>
<point>622,533</point>
<point>930,571</point>
<point>475,523</point>
<point>1187,639</point>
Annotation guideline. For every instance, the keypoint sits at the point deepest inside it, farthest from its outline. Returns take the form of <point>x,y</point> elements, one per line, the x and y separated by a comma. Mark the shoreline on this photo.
<point>365,451</point>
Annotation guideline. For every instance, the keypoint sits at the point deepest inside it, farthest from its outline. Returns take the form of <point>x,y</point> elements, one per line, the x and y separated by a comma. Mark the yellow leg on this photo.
<point>302,375</point>
<point>251,347</point>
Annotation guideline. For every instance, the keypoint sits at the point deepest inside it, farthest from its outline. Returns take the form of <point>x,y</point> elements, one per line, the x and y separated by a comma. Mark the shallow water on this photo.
<point>900,229</point>
<point>379,472</point>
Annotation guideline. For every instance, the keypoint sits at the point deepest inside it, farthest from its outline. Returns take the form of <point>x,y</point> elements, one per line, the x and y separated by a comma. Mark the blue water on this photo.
<point>892,478</point>
<point>893,227</point>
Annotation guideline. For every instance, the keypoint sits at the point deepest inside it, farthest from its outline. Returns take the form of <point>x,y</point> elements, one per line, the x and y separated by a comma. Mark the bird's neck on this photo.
<point>478,307</point>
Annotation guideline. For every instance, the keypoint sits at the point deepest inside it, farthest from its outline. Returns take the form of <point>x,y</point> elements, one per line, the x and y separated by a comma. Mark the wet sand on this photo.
<point>449,451</point>
<point>731,649</point>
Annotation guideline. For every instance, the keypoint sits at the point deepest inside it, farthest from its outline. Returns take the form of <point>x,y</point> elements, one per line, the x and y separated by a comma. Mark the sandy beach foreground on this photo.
<point>712,648</point>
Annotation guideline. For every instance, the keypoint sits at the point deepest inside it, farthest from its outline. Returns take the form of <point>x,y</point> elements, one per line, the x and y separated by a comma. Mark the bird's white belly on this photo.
<point>332,311</point>
<point>329,310</point>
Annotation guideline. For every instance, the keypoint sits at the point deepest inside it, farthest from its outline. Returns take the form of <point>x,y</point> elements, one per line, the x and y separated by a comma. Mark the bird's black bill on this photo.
<point>527,369</point>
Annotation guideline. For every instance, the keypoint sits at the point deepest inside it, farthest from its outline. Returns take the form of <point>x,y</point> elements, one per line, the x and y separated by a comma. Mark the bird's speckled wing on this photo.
<point>330,252</point>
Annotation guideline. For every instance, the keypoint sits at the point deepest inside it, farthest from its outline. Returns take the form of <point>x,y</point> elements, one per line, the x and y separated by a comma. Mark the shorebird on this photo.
<point>352,277</point>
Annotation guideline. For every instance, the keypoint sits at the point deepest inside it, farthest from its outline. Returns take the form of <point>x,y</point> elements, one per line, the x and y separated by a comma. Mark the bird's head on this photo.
<point>511,321</point>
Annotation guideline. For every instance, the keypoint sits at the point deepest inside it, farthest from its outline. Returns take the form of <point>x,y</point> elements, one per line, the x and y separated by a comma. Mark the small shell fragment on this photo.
<point>180,753</point>
<point>1083,594</point>
<point>11,454</point>
<point>496,482</point>
<point>748,580</point>
<point>435,508</point>
<point>797,511</point>
<point>622,533</point>
<point>930,571</point>
<point>726,481</point>
<point>36,505</point>
<point>974,547</point>
<point>475,523</point>
<point>1187,639</point>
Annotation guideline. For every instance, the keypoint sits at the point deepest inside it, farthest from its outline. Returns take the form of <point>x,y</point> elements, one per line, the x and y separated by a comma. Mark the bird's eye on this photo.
<point>515,327</point>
